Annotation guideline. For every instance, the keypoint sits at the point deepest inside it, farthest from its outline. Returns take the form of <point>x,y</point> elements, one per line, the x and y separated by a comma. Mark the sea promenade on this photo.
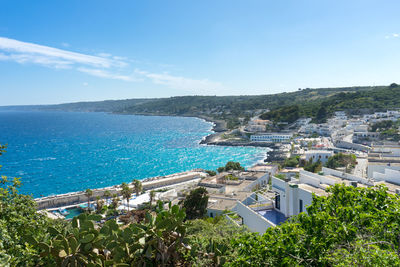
<point>148,184</point>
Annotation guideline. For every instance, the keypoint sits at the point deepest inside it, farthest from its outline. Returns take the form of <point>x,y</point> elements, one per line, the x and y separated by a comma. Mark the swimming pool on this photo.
<point>73,212</point>
<point>272,215</point>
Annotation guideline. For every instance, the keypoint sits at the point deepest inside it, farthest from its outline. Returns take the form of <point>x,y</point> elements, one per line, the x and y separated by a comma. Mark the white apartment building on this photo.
<point>272,137</point>
<point>290,197</point>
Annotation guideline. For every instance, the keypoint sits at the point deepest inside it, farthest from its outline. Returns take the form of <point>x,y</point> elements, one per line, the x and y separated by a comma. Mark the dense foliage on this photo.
<point>291,162</point>
<point>350,227</point>
<point>195,203</point>
<point>228,108</point>
<point>19,222</point>
<point>376,99</point>
<point>347,161</point>
<point>210,241</point>
<point>313,166</point>
<point>231,166</point>
<point>389,130</point>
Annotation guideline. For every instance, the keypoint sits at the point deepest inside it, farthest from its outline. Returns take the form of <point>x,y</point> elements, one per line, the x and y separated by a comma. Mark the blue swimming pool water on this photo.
<point>274,216</point>
<point>73,212</point>
<point>60,152</point>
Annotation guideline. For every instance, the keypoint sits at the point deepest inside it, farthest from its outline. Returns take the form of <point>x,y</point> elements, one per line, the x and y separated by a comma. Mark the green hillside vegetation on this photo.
<point>376,99</point>
<point>389,130</point>
<point>284,107</point>
<point>228,108</point>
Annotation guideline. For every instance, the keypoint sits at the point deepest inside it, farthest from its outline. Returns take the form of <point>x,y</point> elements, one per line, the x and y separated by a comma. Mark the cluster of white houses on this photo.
<point>290,196</point>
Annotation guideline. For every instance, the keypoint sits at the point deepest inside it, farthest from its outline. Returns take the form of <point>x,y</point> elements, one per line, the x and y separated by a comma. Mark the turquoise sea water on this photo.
<point>60,152</point>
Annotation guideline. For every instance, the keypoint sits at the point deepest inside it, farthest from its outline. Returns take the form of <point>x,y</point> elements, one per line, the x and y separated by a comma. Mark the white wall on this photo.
<point>306,197</point>
<point>279,186</point>
<point>328,171</point>
<point>389,175</point>
<point>262,181</point>
<point>252,219</point>
<point>379,167</point>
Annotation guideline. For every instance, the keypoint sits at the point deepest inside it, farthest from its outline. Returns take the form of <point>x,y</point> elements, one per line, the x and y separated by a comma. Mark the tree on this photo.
<point>107,195</point>
<point>313,167</point>
<point>138,187</point>
<point>211,172</point>
<point>152,195</point>
<point>195,203</point>
<point>126,193</point>
<point>341,160</point>
<point>89,194</point>
<point>20,222</point>
<point>115,201</point>
<point>99,204</point>
<point>321,114</point>
<point>231,165</point>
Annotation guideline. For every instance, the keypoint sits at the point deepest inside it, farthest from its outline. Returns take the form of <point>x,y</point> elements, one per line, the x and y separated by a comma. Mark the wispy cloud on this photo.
<point>393,35</point>
<point>102,65</point>
<point>31,52</point>
<point>181,83</point>
<point>105,74</point>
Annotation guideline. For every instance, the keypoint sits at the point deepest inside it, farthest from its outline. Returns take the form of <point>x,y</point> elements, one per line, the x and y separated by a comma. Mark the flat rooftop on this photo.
<point>262,168</point>
<point>312,189</point>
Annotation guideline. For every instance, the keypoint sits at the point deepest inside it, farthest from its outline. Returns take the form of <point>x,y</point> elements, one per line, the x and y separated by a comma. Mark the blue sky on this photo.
<point>66,51</point>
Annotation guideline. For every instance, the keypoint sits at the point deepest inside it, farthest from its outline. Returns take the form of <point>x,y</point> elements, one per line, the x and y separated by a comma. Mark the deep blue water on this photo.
<point>60,152</point>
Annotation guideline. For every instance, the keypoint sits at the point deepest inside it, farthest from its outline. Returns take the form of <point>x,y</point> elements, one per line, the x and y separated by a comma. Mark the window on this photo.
<point>300,205</point>
<point>211,215</point>
<point>278,202</point>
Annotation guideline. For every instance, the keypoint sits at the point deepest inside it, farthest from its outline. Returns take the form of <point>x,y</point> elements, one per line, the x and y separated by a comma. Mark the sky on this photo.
<point>54,51</point>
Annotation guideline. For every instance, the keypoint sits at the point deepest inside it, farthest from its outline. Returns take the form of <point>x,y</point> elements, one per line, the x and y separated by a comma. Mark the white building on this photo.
<point>303,121</point>
<point>290,197</point>
<point>272,137</point>
<point>341,115</point>
<point>382,159</point>
<point>316,155</point>
<point>365,136</point>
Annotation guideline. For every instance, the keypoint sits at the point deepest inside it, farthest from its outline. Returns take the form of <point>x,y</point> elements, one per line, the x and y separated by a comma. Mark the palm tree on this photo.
<point>107,195</point>
<point>152,195</point>
<point>138,186</point>
<point>115,201</point>
<point>99,204</point>
<point>89,194</point>
<point>126,193</point>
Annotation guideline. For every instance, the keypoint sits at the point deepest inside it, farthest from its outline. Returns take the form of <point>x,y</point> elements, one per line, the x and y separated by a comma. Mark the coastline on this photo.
<point>218,128</point>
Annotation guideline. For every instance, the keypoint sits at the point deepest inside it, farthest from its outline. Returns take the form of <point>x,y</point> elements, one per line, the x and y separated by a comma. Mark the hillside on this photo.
<point>283,106</point>
<point>377,99</point>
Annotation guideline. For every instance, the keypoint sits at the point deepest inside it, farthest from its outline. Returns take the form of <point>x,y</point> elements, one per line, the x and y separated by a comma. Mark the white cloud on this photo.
<point>85,84</point>
<point>105,74</point>
<point>393,35</point>
<point>102,65</point>
<point>30,51</point>
<point>181,83</point>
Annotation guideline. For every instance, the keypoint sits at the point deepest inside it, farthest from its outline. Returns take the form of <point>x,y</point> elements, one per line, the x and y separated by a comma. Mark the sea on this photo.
<point>61,152</point>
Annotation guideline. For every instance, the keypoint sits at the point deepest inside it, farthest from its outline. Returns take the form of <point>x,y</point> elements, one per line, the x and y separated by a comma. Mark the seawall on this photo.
<point>148,184</point>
